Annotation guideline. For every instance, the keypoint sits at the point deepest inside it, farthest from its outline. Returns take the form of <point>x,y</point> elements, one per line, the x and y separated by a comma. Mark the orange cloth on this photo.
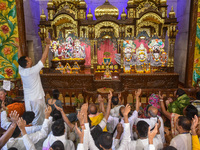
<point>19,107</point>
<point>96,120</point>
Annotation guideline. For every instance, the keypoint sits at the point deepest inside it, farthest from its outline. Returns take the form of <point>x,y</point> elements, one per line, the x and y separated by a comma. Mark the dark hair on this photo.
<point>92,111</point>
<point>58,127</point>
<point>28,116</point>
<point>16,133</point>
<point>184,122</point>
<point>56,94</point>
<point>57,145</point>
<point>56,115</point>
<point>120,113</point>
<point>22,61</point>
<point>142,128</point>
<point>198,95</point>
<point>169,148</point>
<point>191,111</point>
<point>13,148</point>
<point>180,92</point>
<point>115,100</point>
<point>105,140</point>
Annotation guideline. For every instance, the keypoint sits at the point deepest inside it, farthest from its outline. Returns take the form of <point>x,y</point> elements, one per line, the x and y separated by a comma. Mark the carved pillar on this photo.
<point>21,26</point>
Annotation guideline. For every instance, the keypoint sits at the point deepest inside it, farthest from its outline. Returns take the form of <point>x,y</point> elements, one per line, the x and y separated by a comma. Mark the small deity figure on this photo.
<point>163,59</point>
<point>54,48</point>
<point>142,59</point>
<point>78,51</point>
<point>69,47</point>
<point>60,67</point>
<point>107,73</point>
<point>68,68</point>
<point>75,68</point>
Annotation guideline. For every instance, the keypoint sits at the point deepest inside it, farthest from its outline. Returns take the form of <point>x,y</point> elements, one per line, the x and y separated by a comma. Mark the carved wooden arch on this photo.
<point>72,23</point>
<point>106,24</point>
<point>143,21</point>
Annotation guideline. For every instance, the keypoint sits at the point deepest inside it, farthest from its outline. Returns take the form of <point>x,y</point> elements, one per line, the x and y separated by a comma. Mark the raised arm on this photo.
<point>6,136</point>
<point>108,106</point>
<point>101,104</point>
<point>46,50</point>
<point>71,126</point>
<point>137,97</point>
<point>164,111</point>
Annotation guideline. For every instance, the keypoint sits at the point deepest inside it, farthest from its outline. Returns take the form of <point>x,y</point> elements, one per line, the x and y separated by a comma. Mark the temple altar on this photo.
<point>135,51</point>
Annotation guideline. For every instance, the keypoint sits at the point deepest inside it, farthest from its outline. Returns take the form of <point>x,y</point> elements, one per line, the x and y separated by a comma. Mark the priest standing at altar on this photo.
<point>32,86</point>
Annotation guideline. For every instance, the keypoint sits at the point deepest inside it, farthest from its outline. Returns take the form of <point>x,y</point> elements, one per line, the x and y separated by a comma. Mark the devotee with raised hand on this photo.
<point>17,141</point>
<point>6,136</point>
<point>183,140</point>
<point>113,121</point>
<point>70,125</point>
<point>195,140</point>
<point>105,139</point>
<point>117,102</point>
<point>32,86</point>
<point>189,111</point>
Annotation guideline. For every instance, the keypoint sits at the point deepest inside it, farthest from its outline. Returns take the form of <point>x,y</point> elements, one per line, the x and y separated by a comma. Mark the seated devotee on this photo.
<point>54,100</point>
<point>153,119</point>
<point>4,99</point>
<point>117,102</point>
<point>113,121</point>
<point>58,133</point>
<point>189,111</point>
<point>183,140</point>
<point>105,139</point>
<point>178,105</point>
<point>95,116</point>
<point>97,130</point>
<point>17,141</point>
<point>153,101</point>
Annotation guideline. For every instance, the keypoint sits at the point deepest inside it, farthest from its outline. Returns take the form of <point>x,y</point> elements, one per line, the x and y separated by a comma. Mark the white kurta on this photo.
<point>182,142</point>
<point>33,91</point>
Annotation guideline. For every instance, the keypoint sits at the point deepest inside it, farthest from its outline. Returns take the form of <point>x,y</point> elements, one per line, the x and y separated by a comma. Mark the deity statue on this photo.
<point>142,60</point>
<point>68,68</point>
<point>69,47</point>
<point>75,68</point>
<point>54,48</point>
<point>60,67</point>
<point>107,73</point>
<point>128,52</point>
<point>156,49</point>
<point>78,51</point>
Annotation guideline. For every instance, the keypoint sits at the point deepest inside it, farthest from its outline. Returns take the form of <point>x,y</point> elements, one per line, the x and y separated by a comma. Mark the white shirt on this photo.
<point>34,137</point>
<point>114,112</point>
<point>182,142</point>
<point>32,85</point>
<point>152,121</point>
<point>113,121</point>
<point>88,141</point>
<point>68,144</point>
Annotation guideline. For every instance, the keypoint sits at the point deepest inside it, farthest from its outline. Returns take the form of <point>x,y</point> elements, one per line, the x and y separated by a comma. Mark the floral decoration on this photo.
<point>8,35</point>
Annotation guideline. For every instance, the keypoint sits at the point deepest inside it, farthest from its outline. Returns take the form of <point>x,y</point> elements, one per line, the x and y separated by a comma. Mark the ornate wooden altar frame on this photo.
<point>70,16</point>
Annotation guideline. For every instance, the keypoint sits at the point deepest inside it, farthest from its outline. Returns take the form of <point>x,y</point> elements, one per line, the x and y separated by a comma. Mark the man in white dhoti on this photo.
<point>32,86</point>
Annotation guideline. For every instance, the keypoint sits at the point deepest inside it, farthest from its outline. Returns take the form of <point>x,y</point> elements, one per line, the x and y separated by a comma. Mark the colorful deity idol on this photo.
<point>78,51</point>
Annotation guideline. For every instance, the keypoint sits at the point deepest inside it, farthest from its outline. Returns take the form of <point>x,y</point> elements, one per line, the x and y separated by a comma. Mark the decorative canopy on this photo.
<point>106,9</point>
